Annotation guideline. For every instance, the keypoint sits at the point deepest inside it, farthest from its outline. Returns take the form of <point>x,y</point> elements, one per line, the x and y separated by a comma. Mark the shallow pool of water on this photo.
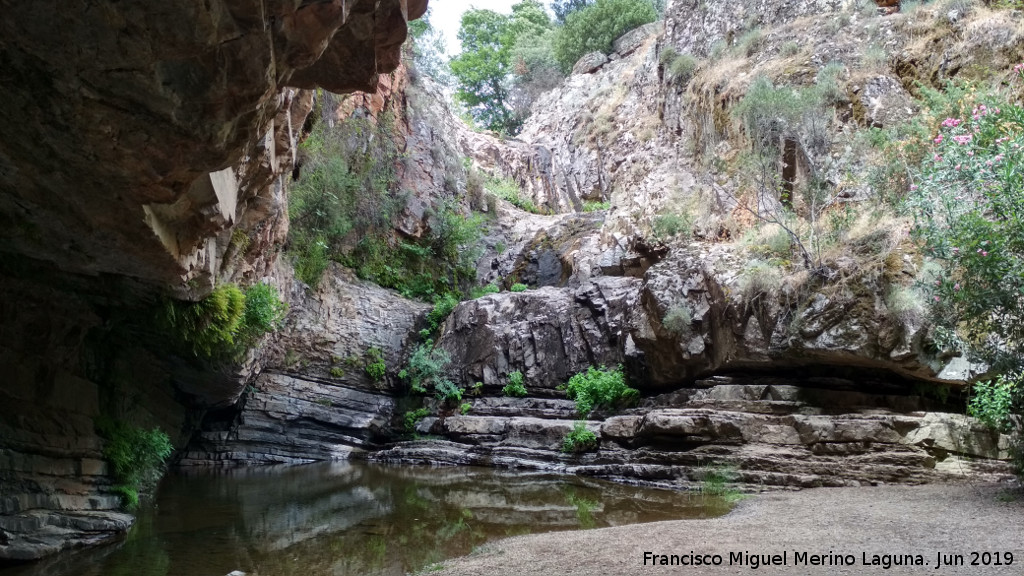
<point>343,519</point>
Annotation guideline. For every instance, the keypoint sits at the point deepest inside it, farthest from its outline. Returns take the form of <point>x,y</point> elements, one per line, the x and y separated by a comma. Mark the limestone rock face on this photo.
<point>120,118</point>
<point>547,334</point>
<point>314,399</point>
<point>775,432</point>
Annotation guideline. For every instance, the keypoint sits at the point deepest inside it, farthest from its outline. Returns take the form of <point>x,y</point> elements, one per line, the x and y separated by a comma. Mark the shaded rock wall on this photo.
<point>121,116</point>
<point>315,399</point>
<point>142,153</point>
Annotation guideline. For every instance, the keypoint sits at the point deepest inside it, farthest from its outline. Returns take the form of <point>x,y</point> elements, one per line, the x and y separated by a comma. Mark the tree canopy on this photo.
<point>597,26</point>
<point>484,68</point>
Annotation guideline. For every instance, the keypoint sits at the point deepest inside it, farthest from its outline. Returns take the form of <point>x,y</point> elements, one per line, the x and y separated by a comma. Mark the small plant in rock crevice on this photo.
<point>599,388</point>
<point>136,457</point>
<point>579,439</point>
<point>516,385</point>
<point>375,366</point>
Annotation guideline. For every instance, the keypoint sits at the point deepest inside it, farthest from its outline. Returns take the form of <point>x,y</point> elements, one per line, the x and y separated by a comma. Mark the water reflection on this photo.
<point>353,518</point>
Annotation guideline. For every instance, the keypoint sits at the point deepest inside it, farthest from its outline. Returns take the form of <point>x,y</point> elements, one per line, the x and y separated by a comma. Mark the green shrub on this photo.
<point>484,291</point>
<point>337,372</point>
<point>680,70</point>
<point>413,417</point>
<point>678,319</point>
<point>464,408</point>
<point>443,306</point>
<point>445,389</point>
<point>517,287</point>
<point>136,456</point>
<point>668,225</point>
<point>905,304</point>
<point>508,190</point>
<point>758,278</point>
<point>516,385</point>
<point>600,388</point>
<point>579,439</point>
<point>992,401</point>
<point>750,42</point>
<point>264,312</point>
<point>425,366</point>
<point>596,206</point>
<point>596,27</point>
<point>346,205</point>
<point>208,327</point>
<point>375,366</point>
<point>790,49</point>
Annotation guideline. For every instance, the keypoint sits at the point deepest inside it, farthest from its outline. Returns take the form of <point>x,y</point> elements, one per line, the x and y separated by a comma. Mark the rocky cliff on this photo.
<point>779,367</point>
<point>143,155</point>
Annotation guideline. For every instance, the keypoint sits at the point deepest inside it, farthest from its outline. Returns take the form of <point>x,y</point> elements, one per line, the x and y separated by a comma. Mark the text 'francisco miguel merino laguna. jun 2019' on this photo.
<point>886,561</point>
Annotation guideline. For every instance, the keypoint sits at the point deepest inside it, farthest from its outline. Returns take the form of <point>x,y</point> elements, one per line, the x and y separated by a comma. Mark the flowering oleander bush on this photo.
<point>967,201</point>
<point>968,207</point>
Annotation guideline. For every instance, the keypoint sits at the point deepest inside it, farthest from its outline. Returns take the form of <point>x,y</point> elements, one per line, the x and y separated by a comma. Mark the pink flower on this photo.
<point>956,286</point>
<point>936,298</point>
<point>962,139</point>
<point>938,139</point>
<point>913,187</point>
<point>951,122</point>
<point>1018,69</point>
<point>938,158</point>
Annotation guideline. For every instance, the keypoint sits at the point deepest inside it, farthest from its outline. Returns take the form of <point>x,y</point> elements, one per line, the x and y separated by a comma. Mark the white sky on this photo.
<point>445,16</point>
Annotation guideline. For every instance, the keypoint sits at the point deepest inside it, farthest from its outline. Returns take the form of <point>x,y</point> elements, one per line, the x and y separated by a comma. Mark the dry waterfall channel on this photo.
<point>623,229</point>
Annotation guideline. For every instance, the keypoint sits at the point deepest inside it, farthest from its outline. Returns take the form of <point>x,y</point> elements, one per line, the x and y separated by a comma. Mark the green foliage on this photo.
<point>478,292</point>
<point>905,304</point>
<point>424,370</point>
<point>227,321</point>
<point>600,388</point>
<point>208,327</point>
<point>337,372</point>
<point>508,190</point>
<point>485,65</point>
<point>136,456</point>
<point>264,312</point>
<point>375,366</point>
<point>769,113</point>
<point>445,389</point>
<point>443,306</point>
<point>597,26</point>
<point>345,206</point>
<point>759,277</point>
<point>590,206</point>
<point>679,68</point>
<point>428,51</point>
<point>517,287</point>
<point>673,224</point>
<point>716,482</point>
<point>992,401</point>
<point>678,319</point>
<point>579,439</point>
<point>516,385</point>
<point>464,408</point>
<point>968,208</point>
<point>413,417</point>
<point>562,8</point>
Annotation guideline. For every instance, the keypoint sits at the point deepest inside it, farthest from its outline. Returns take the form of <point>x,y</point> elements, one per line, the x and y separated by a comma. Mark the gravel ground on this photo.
<point>862,522</point>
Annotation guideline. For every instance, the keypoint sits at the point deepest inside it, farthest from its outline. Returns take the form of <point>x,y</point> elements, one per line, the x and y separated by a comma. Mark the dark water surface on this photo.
<point>343,519</point>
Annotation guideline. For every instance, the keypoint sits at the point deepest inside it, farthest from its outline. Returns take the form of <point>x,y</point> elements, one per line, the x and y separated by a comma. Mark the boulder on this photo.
<point>589,63</point>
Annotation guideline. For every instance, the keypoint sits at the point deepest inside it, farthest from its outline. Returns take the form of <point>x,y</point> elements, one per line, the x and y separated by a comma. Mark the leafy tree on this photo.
<point>562,8</point>
<point>597,26</point>
<point>426,50</point>
<point>484,69</point>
